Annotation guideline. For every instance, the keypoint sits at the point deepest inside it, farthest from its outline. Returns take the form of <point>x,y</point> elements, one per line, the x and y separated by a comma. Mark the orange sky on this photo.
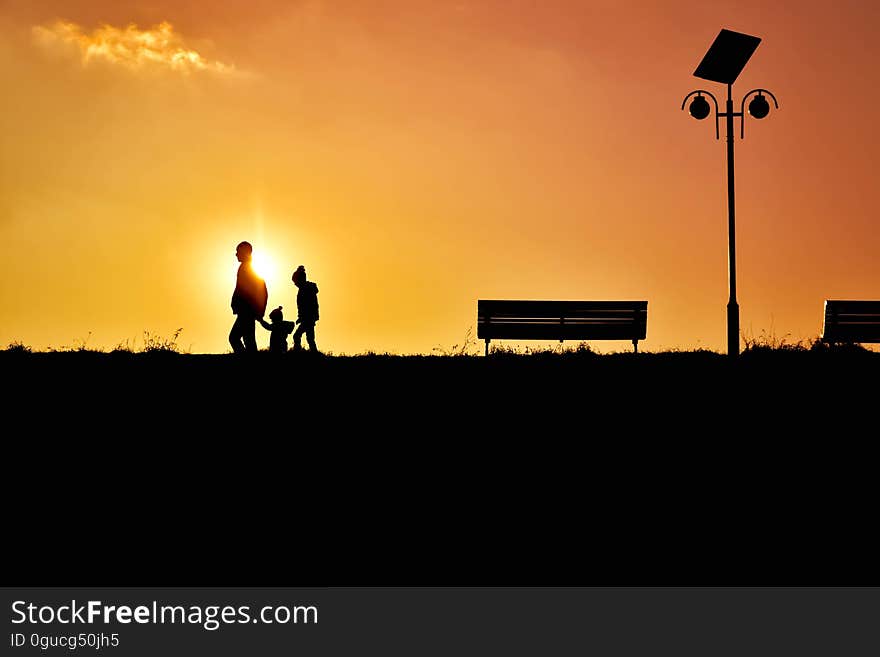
<point>417,156</point>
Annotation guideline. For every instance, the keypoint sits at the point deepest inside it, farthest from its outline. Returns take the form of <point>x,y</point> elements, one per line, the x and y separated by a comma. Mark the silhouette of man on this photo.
<point>307,308</point>
<point>248,302</point>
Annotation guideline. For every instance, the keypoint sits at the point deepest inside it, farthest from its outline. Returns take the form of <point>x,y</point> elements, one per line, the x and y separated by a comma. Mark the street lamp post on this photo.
<point>723,63</point>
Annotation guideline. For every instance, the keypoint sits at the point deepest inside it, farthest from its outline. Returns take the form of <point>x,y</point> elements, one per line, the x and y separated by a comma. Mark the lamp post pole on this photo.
<point>732,305</point>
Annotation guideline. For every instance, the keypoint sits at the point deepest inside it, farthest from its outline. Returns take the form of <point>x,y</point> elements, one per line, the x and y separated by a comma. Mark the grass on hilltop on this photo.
<point>470,346</point>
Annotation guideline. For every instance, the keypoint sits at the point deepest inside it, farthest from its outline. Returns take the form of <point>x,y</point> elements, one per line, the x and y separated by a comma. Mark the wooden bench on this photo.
<point>562,320</point>
<point>851,321</point>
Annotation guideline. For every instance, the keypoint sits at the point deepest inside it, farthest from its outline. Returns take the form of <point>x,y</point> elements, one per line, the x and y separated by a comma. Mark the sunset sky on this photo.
<point>417,156</point>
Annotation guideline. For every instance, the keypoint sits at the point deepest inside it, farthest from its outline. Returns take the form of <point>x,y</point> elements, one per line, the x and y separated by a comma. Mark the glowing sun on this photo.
<point>263,264</point>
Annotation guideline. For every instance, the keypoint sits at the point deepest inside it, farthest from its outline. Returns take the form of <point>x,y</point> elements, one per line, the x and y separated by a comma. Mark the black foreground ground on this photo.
<point>672,468</point>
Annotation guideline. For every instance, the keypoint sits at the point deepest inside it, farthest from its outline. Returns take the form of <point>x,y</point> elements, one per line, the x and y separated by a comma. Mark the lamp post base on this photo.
<point>733,329</point>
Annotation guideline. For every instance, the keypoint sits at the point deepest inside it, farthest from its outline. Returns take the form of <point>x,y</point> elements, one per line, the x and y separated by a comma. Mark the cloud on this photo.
<point>158,47</point>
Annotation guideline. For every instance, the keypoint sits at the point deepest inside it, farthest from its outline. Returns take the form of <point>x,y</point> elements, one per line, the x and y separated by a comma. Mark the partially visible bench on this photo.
<point>562,320</point>
<point>851,321</point>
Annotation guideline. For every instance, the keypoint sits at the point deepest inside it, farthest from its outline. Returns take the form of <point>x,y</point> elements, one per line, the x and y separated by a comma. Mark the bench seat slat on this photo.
<point>561,332</point>
<point>843,335</point>
<point>845,307</point>
<point>560,320</point>
<point>554,308</point>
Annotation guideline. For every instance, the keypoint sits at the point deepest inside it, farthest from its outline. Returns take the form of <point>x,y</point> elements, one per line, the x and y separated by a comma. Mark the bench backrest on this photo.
<point>851,321</point>
<point>562,320</point>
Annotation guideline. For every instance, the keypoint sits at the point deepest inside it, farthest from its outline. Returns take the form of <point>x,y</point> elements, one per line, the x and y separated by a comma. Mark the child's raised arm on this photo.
<point>266,325</point>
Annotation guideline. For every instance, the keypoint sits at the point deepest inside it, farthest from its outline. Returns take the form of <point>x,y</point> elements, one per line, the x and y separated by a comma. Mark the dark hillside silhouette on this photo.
<point>673,468</point>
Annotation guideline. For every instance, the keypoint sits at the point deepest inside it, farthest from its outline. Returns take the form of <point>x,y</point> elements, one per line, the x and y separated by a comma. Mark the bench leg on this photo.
<point>487,346</point>
<point>635,346</point>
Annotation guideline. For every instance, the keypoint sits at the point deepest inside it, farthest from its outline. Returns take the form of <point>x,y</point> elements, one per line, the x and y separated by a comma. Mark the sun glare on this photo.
<point>263,264</point>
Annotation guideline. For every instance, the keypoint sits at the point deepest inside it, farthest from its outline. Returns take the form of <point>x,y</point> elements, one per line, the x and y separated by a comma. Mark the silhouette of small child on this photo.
<point>279,330</point>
